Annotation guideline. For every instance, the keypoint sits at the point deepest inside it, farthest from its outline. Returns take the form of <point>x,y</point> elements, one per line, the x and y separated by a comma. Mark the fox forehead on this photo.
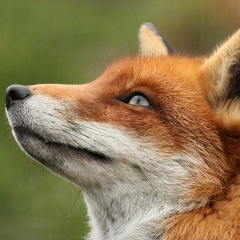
<point>150,72</point>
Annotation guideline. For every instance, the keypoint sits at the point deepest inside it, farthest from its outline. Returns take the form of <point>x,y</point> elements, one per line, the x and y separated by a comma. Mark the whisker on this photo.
<point>130,51</point>
<point>100,62</point>
<point>74,204</point>
<point>74,188</point>
<point>105,50</point>
<point>94,69</point>
<point>135,15</point>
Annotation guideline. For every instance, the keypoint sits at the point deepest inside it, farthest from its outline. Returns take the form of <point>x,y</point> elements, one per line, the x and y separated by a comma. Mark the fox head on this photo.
<point>155,128</point>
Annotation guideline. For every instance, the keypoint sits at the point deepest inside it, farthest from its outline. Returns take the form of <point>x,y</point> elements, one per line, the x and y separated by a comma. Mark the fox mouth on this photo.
<point>51,153</point>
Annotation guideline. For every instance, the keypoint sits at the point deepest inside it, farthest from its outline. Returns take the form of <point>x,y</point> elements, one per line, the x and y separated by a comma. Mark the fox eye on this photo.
<point>139,100</point>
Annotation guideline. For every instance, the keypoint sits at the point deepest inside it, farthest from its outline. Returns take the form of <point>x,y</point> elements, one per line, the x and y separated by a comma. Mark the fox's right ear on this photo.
<point>222,83</point>
<point>152,43</point>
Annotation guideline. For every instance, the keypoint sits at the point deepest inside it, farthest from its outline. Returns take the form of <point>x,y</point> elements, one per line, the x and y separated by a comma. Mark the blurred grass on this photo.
<point>70,41</point>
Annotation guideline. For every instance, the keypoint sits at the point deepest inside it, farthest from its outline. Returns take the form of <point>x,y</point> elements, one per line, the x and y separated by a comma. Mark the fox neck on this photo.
<point>129,216</point>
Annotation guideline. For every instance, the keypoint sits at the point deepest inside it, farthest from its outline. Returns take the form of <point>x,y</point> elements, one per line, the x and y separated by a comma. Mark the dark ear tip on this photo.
<point>149,25</point>
<point>152,27</point>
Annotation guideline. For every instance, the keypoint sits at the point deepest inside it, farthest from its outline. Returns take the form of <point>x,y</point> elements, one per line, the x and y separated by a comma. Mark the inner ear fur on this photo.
<point>222,83</point>
<point>152,43</point>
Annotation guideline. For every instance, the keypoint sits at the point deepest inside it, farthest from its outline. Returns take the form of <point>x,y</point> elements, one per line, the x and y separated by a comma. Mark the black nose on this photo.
<point>14,93</point>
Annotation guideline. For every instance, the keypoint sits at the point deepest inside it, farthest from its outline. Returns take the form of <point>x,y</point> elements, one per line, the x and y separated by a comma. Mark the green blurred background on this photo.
<point>70,41</point>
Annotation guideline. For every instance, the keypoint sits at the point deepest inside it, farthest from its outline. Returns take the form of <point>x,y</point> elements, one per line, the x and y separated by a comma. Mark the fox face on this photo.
<point>154,136</point>
<point>121,121</point>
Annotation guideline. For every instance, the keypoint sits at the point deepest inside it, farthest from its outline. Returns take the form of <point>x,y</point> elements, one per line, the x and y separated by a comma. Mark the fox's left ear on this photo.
<point>152,43</point>
<point>222,85</point>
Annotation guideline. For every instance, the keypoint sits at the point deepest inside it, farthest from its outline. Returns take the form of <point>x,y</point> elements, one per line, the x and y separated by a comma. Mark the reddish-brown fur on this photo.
<point>219,221</point>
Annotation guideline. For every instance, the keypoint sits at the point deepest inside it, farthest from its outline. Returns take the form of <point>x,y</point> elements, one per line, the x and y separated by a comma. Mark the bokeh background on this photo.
<point>71,41</point>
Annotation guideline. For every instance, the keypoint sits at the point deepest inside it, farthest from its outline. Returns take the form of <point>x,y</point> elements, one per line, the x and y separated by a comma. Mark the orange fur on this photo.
<point>220,221</point>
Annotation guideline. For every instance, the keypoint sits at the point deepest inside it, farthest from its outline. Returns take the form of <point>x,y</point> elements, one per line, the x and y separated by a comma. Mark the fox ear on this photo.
<point>152,42</point>
<point>222,85</point>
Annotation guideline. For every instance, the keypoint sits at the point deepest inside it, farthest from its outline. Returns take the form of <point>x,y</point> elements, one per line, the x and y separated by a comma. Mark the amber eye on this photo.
<point>139,100</point>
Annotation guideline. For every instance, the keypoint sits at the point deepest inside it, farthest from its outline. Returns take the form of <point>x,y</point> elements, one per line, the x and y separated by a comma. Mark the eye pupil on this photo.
<point>138,100</point>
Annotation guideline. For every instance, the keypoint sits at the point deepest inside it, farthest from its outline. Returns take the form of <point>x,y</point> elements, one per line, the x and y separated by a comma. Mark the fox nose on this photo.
<point>14,93</point>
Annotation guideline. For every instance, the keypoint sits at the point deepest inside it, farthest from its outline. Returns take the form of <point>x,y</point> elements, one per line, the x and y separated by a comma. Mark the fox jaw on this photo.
<point>153,138</point>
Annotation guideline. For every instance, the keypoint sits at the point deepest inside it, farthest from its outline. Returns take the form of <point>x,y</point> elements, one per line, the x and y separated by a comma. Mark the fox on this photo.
<point>153,143</point>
